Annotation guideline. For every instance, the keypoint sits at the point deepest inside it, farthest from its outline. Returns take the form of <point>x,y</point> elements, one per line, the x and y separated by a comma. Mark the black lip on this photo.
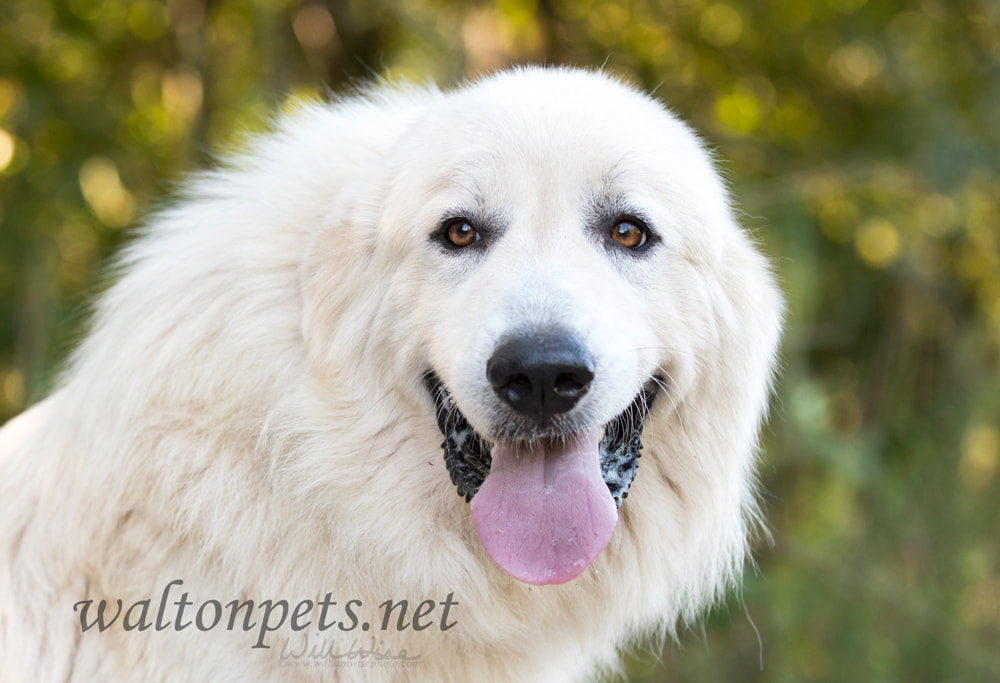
<point>467,454</point>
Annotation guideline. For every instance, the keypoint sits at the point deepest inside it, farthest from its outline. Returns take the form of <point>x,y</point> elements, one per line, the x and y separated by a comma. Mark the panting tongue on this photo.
<point>544,513</point>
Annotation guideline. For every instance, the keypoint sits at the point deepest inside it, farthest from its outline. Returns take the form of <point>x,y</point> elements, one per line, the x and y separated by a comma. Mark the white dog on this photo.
<point>367,403</point>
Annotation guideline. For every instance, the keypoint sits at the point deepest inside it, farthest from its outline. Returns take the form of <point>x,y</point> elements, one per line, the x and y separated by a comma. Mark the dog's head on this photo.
<point>554,250</point>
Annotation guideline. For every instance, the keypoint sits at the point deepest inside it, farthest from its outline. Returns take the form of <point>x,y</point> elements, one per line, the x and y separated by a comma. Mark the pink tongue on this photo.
<point>543,514</point>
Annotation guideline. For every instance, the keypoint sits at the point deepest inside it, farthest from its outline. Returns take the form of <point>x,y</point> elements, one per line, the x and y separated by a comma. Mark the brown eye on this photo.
<point>461,234</point>
<point>628,234</point>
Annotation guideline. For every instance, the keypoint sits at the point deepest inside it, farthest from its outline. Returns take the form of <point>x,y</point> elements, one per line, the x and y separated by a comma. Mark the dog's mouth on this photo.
<point>543,508</point>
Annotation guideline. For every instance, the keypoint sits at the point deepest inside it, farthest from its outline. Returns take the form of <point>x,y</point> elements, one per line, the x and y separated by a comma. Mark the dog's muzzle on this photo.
<point>467,454</point>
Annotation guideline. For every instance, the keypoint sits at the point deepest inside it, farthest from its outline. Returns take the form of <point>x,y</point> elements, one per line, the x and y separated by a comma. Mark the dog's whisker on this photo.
<point>671,349</point>
<point>378,433</point>
<point>716,431</point>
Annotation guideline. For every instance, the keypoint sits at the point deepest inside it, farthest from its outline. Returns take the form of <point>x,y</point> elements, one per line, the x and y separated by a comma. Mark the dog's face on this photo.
<point>553,241</point>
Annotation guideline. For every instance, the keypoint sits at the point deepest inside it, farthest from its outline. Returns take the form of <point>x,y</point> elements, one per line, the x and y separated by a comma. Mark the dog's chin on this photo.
<point>544,502</point>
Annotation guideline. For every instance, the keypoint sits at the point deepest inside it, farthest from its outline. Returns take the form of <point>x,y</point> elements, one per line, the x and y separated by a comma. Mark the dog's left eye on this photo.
<point>460,233</point>
<point>629,233</point>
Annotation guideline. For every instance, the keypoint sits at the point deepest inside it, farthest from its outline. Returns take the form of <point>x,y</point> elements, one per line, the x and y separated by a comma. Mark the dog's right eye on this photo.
<point>460,233</point>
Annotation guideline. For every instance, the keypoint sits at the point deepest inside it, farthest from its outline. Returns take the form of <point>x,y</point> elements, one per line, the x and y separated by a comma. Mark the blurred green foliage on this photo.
<point>863,143</point>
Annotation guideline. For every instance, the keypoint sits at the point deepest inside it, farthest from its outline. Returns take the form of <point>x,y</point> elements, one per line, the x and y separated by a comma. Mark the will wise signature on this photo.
<point>325,649</point>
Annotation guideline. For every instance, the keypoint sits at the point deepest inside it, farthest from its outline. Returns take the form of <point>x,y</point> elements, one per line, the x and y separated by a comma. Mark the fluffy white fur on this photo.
<point>247,412</point>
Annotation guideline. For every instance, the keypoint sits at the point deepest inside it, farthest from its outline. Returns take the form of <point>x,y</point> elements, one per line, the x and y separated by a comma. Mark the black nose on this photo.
<point>541,375</point>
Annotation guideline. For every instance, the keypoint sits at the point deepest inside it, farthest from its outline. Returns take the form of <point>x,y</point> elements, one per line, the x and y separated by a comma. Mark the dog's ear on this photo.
<point>334,275</point>
<point>762,310</point>
<point>749,314</point>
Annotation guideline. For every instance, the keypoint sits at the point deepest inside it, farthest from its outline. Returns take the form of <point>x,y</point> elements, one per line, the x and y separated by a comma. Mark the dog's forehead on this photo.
<point>550,133</point>
<point>553,131</point>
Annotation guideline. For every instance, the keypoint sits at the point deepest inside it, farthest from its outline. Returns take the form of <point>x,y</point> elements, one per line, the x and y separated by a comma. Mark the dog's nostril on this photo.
<point>541,375</point>
<point>571,386</point>
<point>517,389</point>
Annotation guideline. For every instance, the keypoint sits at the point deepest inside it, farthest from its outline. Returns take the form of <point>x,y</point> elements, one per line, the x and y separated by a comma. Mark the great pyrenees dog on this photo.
<point>421,385</point>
